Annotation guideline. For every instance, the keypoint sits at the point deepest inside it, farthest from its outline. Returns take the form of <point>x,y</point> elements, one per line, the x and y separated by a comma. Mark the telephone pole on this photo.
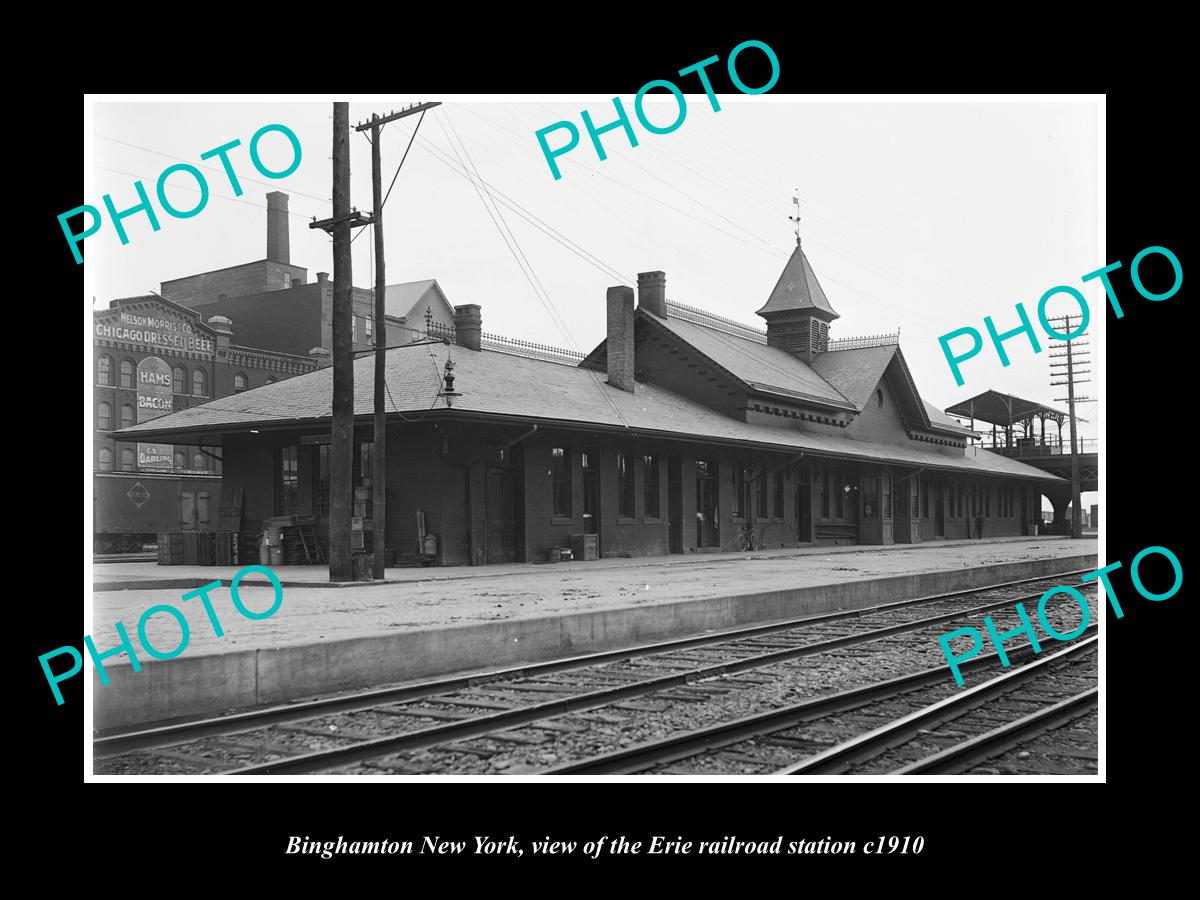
<point>379,472</point>
<point>341,450</point>
<point>1068,370</point>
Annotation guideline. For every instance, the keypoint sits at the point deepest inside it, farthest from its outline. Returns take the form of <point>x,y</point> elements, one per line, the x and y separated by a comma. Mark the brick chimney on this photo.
<point>620,337</point>
<point>652,293</point>
<point>277,227</point>
<point>468,326</point>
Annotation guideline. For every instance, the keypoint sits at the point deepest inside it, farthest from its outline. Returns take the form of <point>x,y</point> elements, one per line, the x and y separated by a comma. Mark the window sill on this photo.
<point>626,520</point>
<point>562,520</point>
<point>652,520</point>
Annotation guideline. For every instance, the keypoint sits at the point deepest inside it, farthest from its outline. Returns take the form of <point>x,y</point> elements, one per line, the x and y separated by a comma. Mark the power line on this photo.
<point>547,303</point>
<point>207,168</point>
<point>197,190</point>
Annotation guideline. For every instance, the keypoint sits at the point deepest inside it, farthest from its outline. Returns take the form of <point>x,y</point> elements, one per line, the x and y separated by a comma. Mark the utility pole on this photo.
<point>379,473</point>
<point>379,470</point>
<point>341,459</point>
<point>1068,369</point>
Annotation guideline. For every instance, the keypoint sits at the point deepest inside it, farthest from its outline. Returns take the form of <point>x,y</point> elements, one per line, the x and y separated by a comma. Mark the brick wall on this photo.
<point>236,281</point>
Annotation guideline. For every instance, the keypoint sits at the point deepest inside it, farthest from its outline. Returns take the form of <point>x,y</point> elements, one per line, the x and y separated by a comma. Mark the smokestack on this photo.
<point>468,326</point>
<point>620,337</point>
<point>652,293</point>
<point>277,227</point>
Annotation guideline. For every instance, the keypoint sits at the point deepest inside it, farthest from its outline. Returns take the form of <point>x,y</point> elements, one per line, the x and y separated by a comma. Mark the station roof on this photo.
<point>1003,409</point>
<point>501,387</point>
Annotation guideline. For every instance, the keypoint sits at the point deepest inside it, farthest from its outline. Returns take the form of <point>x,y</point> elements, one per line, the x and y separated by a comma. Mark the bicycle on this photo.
<point>747,539</point>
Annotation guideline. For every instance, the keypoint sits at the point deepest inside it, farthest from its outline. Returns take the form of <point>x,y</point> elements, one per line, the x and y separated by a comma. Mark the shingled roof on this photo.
<point>761,368</point>
<point>518,389</point>
<point>798,289</point>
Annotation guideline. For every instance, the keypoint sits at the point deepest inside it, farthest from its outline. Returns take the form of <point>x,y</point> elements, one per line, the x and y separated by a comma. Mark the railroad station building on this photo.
<point>677,433</point>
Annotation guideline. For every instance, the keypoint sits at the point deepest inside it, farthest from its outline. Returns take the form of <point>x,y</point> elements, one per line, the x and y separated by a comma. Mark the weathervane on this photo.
<point>796,217</point>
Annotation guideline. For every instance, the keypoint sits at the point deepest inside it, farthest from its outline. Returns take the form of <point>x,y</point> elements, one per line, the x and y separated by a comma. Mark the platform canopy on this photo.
<point>1004,409</point>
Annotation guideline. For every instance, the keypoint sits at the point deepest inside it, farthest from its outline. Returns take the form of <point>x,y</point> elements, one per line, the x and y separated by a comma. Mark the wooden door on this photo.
<point>501,516</point>
<point>675,504</point>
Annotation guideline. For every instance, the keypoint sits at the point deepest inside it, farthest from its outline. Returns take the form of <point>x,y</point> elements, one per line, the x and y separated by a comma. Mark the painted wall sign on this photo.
<point>154,399</point>
<point>155,331</point>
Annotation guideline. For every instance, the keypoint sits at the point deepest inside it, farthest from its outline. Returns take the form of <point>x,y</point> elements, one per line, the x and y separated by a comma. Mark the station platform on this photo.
<point>420,623</point>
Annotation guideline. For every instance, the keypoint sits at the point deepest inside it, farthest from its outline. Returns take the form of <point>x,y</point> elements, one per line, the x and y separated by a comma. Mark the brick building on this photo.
<point>153,357</point>
<point>678,433</point>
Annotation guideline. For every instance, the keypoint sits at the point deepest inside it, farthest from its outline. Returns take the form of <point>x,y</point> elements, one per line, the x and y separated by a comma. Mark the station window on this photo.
<point>199,383</point>
<point>127,373</point>
<point>104,460</point>
<point>987,501</point>
<point>823,493</point>
<point>560,475</point>
<point>179,380</point>
<point>839,495</point>
<point>925,499</point>
<point>104,370</point>
<point>887,495</point>
<point>741,491</point>
<point>180,459</point>
<point>126,416</point>
<point>323,480</point>
<point>916,496</point>
<point>127,461</point>
<point>958,491</point>
<point>239,382</point>
<point>369,325</point>
<point>355,321</point>
<point>650,485</point>
<point>199,461</point>
<point>625,485</point>
<point>104,417</point>
<point>763,494</point>
<point>778,498</point>
<point>366,463</point>
<point>870,490</point>
<point>287,498</point>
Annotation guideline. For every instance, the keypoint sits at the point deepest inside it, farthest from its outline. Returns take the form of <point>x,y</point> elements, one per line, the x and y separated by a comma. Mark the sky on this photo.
<point>922,216</point>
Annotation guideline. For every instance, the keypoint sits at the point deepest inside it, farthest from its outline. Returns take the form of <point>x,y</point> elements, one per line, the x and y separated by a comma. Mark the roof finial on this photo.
<point>796,217</point>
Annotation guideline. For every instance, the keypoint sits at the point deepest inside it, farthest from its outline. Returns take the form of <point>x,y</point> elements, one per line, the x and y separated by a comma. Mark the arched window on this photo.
<point>127,373</point>
<point>104,460</point>
<point>104,417</point>
<point>180,460</point>
<point>879,398</point>
<point>179,380</point>
<point>239,382</point>
<point>104,370</point>
<point>127,461</point>
<point>126,416</point>
<point>200,382</point>
<point>199,460</point>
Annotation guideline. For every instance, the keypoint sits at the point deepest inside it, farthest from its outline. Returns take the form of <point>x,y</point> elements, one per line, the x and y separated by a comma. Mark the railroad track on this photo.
<point>333,733</point>
<point>776,724</point>
<point>1062,697</point>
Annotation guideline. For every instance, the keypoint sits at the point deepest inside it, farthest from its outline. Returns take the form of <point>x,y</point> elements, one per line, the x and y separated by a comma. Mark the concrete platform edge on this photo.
<point>213,683</point>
